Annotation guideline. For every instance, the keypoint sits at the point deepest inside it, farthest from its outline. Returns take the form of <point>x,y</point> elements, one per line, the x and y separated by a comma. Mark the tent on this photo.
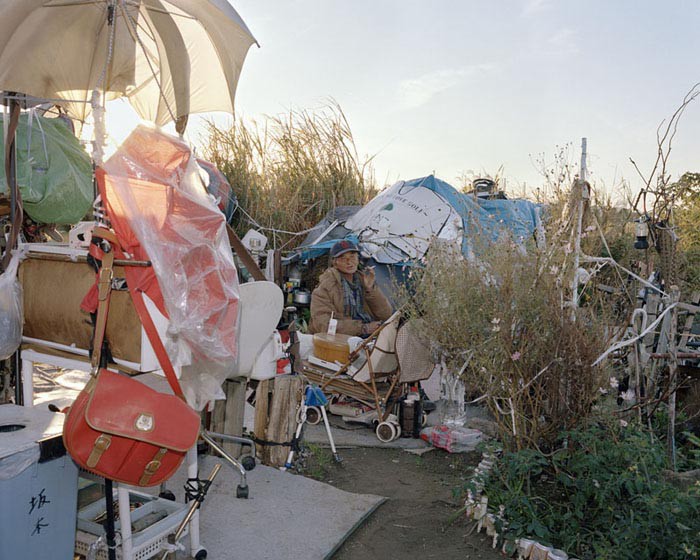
<point>397,226</point>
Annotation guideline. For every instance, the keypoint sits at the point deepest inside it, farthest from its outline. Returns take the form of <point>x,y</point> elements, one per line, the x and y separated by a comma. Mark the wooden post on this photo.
<point>276,416</point>
<point>672,379</point>
<point>262,404</point>
<point>227,417</point>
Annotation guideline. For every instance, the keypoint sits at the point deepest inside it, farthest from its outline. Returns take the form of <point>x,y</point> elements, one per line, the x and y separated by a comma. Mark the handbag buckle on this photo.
<point>102,443</point>
<point>151,468</point>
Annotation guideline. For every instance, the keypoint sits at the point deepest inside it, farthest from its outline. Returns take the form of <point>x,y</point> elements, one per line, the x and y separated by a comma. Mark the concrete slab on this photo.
<point>286,515</point>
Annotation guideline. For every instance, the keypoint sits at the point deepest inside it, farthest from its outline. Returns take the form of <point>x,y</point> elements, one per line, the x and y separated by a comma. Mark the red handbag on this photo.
<point>123,430</point>
<point>120,428</point>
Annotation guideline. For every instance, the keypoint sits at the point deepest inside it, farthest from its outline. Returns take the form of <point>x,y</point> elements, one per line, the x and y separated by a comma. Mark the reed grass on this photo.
<point>290,170</point>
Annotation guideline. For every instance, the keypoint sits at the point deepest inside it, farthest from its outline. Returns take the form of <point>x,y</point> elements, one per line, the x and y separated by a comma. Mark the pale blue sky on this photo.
<point>460,85</point>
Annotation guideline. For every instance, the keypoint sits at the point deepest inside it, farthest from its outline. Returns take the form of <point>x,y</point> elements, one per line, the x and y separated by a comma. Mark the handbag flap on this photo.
<point>122,406</point>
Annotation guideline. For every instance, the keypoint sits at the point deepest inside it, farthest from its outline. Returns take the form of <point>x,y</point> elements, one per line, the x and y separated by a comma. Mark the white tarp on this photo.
<point>399,223</point>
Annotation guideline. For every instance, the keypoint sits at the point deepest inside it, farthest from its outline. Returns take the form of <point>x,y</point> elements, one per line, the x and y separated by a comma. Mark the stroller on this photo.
<point>377,375</point>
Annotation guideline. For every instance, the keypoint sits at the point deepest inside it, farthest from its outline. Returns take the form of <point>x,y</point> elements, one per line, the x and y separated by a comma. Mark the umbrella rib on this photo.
<point>169,13</point>
<point>132,27</point>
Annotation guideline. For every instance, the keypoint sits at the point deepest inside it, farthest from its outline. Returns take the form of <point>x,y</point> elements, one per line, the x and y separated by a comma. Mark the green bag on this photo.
<point>54,172</point>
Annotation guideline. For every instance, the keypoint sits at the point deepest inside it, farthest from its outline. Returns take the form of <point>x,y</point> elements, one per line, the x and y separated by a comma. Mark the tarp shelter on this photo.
<point>397,226</point>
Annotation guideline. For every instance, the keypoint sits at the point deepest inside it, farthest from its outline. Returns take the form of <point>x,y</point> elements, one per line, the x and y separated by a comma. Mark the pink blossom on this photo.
<point>515,356</point>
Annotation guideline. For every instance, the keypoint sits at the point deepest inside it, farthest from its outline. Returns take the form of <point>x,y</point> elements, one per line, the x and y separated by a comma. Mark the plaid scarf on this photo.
<point>354,300</point>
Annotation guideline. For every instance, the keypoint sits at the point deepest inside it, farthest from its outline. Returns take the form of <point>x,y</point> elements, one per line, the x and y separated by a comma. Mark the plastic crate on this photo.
<point>146,537</point>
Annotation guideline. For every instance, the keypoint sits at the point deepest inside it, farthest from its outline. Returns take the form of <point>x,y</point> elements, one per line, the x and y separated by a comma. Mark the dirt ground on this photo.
<point>423,494</point>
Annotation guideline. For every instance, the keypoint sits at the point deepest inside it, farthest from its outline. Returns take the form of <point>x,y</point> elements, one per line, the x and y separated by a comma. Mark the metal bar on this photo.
<point>83,259</point>
<point>190,512</point>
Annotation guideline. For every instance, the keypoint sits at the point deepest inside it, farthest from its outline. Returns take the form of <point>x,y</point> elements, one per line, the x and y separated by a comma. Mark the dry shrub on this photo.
<point>506,319</point>
<point>290,170</point>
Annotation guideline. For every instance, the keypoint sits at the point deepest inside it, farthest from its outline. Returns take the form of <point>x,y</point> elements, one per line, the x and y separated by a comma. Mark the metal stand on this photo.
<point>313,398</point>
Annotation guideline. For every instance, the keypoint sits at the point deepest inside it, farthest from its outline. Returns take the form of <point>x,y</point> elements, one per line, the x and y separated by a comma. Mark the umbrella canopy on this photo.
<point>170,58</point>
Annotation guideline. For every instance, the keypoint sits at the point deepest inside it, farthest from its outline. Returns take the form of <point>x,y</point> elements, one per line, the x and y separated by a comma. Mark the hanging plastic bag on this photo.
<point>11,315</point>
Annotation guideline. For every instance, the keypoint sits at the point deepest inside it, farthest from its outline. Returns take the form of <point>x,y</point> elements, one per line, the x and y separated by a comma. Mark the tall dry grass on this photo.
<point>290,170</point>
<point>504,323</point>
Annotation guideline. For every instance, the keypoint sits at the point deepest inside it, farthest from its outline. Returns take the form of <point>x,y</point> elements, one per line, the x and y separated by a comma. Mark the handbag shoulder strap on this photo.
<point>156,343</point>
<point>104,285</point>
<point>104,292</point>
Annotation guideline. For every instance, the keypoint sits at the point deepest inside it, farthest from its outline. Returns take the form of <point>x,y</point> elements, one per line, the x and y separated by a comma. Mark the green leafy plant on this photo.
<point>602,494</point>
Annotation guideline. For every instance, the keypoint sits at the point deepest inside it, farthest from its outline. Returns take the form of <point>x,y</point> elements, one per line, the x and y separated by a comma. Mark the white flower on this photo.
<point>602,390</point>
<point>614,383</point>
<point>628,395</point>
<point>554,269</point>
<point>623,423</point>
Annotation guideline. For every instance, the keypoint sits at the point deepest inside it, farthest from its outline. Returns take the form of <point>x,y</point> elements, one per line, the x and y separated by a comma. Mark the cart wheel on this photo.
<point>248,462</point>
<point>423,420</point>
<point>201,555</point>
<point>313,415</point>
<point>242,492</point>
<point>398,431</point>
<point>386,432</point>
<point>167,495</point>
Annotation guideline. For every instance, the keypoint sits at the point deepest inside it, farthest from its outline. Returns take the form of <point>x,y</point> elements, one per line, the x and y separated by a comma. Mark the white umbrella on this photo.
<point>170,58</point>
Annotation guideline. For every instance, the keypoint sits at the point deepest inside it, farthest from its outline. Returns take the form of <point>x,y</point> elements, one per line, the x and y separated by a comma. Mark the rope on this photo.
<point>293,443</point>
<point>196,489</point>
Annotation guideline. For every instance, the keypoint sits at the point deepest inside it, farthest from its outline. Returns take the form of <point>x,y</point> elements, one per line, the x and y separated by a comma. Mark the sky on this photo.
<point>463,87</point>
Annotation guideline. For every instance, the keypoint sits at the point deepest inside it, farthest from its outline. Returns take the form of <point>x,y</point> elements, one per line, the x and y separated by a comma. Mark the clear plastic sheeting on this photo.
<point>161,212</point>
<point>11,316</point>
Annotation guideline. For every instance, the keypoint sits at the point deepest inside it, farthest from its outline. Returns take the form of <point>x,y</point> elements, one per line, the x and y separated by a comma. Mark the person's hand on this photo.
<point>369,328</point>
<point>368,278</point>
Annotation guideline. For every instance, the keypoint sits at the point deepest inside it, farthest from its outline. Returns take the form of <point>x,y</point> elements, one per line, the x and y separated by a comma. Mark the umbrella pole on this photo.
<point>109,522</point>
<point>11,177</point>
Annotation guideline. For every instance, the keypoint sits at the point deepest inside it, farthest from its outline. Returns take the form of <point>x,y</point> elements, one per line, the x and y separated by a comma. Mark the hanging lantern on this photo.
<point>641,231</point>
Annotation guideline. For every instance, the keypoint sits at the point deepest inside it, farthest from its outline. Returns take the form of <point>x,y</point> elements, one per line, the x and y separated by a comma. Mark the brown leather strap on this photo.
<point>104,288</point>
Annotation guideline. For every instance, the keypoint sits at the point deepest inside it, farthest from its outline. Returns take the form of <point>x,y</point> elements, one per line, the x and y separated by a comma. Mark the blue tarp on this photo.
<point>481,218</point>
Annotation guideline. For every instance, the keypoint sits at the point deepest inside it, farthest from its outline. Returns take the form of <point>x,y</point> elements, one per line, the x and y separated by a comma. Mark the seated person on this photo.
<point>352,297</point>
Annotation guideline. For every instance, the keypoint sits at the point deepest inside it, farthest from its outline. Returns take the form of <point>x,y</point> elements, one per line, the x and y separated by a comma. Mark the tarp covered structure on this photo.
<point>398,225</point>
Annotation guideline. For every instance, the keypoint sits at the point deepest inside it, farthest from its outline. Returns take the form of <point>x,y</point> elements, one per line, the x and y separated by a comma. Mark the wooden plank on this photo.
<point>286,398</point>
<point>248,261</point>
<point>689,319</point>
<point>228,415</point>
<point>262,403</point>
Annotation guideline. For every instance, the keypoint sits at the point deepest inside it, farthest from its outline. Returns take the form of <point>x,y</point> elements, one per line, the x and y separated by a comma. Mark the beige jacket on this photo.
<point>327,298</point>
